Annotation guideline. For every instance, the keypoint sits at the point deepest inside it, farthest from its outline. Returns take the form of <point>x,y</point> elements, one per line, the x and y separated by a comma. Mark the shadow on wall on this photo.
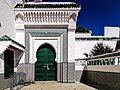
<point>84,76</point>
<point>102,80</point>
<point>81,74</point>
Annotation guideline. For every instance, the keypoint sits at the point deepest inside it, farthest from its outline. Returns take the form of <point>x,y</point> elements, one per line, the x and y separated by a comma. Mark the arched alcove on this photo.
<point>45,66</point>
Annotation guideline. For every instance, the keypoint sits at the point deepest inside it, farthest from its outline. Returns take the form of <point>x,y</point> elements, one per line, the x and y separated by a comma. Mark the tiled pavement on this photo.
<point>57,86</point>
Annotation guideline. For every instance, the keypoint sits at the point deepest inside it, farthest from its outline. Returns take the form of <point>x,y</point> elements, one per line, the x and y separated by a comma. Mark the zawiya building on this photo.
<point>47,29</point>
<point>41,41</point>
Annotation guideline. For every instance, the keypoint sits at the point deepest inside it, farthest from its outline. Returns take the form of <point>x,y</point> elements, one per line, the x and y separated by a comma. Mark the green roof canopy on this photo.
<point>7,38</point>
<point>72,5</point>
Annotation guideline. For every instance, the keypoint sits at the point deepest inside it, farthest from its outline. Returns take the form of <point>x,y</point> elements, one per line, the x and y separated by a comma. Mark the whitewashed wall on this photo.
<point>7,18</point>
<point>18,1</point>
<point>77,35</point>
<point>1,66</point>
<point>111,31</point>
<point>35,44</point>
<point>7,25</point>
<point>86,45</point>
<point>20,36</point>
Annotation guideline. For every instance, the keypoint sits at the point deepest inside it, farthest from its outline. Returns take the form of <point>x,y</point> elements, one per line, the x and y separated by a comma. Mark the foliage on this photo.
<point>82,30</point>
<point>86,54</point>
<point>100,48</point>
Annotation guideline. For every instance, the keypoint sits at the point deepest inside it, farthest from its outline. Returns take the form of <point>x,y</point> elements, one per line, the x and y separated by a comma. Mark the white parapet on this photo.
<point>47,15</point>
<point>111,31</point>
<point>78,35</point>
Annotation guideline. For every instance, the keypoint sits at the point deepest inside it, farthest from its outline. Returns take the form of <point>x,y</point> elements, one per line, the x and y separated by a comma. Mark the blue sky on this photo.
<point>95,14</point>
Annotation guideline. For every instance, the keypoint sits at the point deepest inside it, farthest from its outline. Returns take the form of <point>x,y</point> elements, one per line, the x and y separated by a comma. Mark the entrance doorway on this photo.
<point>8,63</point>
<point>45,66</point>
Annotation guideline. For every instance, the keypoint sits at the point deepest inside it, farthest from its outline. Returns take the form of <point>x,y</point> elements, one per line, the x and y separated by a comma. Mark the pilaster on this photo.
<point>71,50</point>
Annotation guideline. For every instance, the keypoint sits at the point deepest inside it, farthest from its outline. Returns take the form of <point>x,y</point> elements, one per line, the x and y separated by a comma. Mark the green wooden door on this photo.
<point>8,63</point>
<point>45,65</point>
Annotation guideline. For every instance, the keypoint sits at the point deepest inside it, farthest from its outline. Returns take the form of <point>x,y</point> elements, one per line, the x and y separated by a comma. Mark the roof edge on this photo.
<point>7,38</point>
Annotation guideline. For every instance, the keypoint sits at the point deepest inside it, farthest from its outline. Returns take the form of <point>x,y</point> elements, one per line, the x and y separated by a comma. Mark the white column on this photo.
<point>71,40</point>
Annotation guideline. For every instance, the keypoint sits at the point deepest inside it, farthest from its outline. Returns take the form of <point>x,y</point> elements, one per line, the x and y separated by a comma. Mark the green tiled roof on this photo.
<point>72,5</point>
<point>7,38</point>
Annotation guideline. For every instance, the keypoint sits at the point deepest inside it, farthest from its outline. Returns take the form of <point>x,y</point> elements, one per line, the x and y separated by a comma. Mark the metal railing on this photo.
<point>18,80</point>
<point>104,61</point>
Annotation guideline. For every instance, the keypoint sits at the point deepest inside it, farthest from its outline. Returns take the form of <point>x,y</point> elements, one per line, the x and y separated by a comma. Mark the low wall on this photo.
<point>65,71</point>
<point>28,69</point>
<point>80,74</point>
<point>107,77</point>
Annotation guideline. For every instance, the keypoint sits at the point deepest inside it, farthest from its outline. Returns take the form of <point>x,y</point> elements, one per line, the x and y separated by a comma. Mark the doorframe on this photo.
<point>13,57</point>
<point>47,45</point>
<point>35,31</point>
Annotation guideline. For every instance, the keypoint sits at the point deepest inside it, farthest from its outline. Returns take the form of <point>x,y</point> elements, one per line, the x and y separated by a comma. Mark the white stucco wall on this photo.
<point>111,31</point>
<point>36,42</point>
<point>77,35</point>
<point>1,66</point>
<point>80,64</point>
<point>22,60</point>
<point>71,40</point>
<point>7,18</point>
<point>18,1</point>
<point>20,36</point>
<point>85,47</point>
<point>71,46</point>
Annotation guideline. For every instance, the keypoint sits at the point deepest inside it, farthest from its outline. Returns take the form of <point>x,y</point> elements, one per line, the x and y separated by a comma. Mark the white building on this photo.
<point>47,30</point>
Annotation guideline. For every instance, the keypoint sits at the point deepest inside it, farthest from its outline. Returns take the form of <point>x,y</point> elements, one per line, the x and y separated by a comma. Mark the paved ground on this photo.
<point>57,86</point>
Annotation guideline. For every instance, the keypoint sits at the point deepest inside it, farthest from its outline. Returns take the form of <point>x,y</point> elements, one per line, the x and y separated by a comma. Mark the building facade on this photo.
<point>47,30</point>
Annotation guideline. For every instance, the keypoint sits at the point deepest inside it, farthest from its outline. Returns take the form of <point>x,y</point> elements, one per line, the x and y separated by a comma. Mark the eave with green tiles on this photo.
<point>7,38</point>
<point>72,5</point>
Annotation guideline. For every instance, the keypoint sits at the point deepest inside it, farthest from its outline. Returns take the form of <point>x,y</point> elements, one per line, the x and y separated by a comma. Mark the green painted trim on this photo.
<point>73,5</point>
<point>7,38</point>
<point>45,33</point>
<point>46,39</point>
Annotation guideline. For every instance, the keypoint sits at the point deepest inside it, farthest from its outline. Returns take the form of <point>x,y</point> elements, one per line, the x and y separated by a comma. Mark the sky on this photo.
<point>95,14</point>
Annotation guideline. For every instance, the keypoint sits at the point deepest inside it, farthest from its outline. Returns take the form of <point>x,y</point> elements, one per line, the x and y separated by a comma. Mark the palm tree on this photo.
<point>100,48</point>
<point>86,54</point>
